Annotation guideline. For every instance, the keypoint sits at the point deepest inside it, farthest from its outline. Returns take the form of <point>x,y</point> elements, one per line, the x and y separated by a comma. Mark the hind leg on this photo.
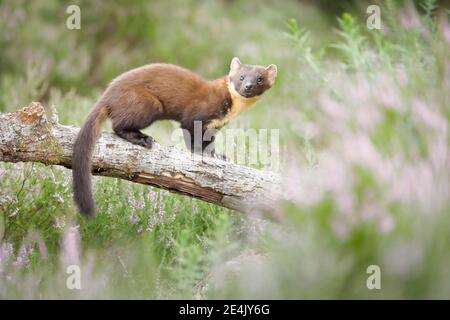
<point>135,137</point>
<point>129,120</point>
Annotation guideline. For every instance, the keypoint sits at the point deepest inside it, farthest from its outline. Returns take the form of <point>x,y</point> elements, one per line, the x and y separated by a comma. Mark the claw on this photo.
<point>146,142</point>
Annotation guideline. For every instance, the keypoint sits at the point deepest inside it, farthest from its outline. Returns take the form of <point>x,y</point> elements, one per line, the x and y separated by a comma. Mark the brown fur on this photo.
<point>139,97</point>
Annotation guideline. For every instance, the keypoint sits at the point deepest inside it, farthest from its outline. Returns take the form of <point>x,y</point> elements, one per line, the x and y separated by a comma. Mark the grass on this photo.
<point>363,118</point>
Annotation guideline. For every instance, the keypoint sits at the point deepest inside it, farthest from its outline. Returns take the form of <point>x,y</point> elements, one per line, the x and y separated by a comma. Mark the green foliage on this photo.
<point>363,114</point>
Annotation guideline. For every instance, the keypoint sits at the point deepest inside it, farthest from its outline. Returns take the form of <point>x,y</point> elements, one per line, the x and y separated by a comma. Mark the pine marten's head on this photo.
<point>251,80</point>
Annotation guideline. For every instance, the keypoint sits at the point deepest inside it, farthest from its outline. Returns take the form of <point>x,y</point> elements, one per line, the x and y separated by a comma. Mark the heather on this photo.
<point>363,119</point>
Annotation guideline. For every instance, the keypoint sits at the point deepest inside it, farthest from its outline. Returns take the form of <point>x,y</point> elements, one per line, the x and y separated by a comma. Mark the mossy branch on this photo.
<point>28,136</point>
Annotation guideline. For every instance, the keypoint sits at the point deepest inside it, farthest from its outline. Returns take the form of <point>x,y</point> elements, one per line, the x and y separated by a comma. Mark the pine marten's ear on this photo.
<point>234,66</point>
<point>271,73</point>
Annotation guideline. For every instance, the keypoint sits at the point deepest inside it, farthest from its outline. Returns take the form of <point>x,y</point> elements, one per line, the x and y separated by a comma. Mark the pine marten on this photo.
<point>139,97</point>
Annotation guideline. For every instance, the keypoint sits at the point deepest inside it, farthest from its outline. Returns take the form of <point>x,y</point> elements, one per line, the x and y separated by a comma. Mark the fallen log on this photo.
<point>27,135</point>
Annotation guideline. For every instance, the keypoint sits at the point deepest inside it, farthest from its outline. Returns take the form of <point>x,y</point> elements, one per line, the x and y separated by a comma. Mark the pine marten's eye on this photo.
<point>241,78</point>
<point>260,80</point>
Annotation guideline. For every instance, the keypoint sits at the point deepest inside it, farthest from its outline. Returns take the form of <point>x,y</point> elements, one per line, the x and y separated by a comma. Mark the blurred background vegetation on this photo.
<point>363,118</point>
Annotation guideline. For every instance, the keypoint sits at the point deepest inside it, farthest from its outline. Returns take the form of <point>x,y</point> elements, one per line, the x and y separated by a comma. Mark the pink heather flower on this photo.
<point>359,149</point>
<point>444,27</point>
<point>333,109</point>
<point>6,254</point>
<point>161,210</point>
<point>416,186</point>
<point>369,212</point>
<point>134,219</point>
<point>409,19</point>
<point>23,257</point>
<point>176,209</point>
<point>428,116</point>
<point>131,202</point>
<point>42,247</point>
<point>151,223</point>
<point>71,247</point>
<point>333,171</point>
<point>367,118</point>
<point>360,91</point>
<point>439,153</point>
<point>141,202</point>
<point>340,229</point>
<point>386,224</point>
<point>301,185</point>
<point>385,84</point>
<point>151,197</point>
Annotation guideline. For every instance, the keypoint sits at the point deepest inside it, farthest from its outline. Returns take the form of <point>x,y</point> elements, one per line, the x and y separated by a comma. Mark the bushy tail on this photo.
<point>82,160</point>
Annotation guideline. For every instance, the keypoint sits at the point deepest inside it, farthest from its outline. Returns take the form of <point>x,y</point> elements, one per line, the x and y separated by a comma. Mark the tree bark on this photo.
<point>27,135</point>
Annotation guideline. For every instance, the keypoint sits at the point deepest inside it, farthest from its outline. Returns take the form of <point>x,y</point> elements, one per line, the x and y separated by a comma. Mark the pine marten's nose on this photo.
<point>248,86</point>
